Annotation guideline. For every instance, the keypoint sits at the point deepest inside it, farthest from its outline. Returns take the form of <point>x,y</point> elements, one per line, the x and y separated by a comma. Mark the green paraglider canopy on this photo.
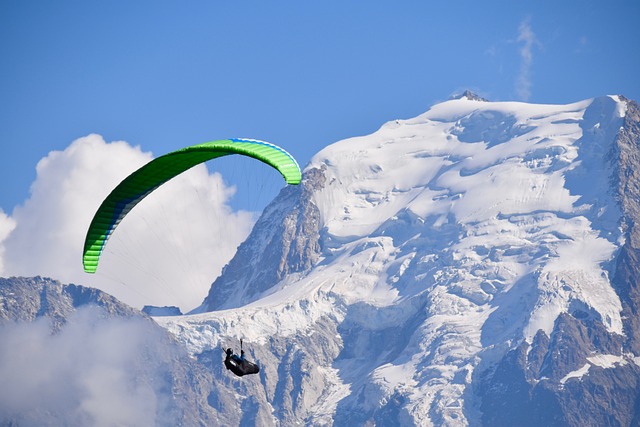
<point>142,182</point>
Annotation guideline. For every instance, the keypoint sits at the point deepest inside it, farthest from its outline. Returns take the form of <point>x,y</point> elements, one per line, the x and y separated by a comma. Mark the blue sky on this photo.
<point>78,76</point>
<point>302,75</point>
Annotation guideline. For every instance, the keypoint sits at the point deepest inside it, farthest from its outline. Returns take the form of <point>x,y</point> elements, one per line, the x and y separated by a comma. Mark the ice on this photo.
<point>606,361</point>
<point>577,374</point>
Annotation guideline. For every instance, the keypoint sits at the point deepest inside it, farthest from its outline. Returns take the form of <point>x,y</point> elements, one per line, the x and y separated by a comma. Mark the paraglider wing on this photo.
<point>142,182</point>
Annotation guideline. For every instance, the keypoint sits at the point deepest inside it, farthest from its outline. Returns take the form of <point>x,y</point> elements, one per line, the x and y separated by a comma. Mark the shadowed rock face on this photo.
<point>628,151</point>
<point>292,246</point>
<point>558,380</point>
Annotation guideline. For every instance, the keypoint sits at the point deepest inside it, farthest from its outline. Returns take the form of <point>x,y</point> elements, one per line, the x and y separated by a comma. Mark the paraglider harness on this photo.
<point>238,364</point>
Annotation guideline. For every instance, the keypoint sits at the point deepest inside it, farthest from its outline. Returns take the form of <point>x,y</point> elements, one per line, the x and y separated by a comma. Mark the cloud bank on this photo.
<point>96,371</point>
<point>167,251</point>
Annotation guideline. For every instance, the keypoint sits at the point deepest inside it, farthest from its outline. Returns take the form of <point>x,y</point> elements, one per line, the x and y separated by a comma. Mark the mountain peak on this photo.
<point>470,96</point>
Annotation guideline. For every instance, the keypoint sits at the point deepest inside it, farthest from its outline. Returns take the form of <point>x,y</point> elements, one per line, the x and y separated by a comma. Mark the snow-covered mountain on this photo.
<point>476,264</point>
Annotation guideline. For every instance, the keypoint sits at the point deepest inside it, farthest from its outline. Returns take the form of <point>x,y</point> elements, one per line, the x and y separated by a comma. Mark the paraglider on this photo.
<point>149,177</point>
<point>238,364</point>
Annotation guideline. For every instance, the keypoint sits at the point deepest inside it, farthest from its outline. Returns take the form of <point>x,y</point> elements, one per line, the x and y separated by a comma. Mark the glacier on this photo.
<point>417,257</point>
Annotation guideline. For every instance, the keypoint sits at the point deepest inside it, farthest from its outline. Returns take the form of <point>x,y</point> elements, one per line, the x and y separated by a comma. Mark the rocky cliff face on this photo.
<point>274,250</point>
<point>581,375</point>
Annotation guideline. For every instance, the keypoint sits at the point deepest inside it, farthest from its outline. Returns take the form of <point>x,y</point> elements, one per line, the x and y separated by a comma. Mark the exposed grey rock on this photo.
<point>515,394</point>
<point>470,96</point>
<point>628,176</point>
<point>271,253</point>
<point>626,279</point>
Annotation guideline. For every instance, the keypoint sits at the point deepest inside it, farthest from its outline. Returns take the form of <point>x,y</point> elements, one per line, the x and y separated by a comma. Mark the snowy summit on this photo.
<point>411,261</point>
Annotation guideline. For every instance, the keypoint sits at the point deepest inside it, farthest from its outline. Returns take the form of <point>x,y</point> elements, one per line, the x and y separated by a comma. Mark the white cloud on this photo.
<point>6,227</point>
<point>528,40</point>
<point>96,371</point>
<point>583,45</point>
<point>167,251</point>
